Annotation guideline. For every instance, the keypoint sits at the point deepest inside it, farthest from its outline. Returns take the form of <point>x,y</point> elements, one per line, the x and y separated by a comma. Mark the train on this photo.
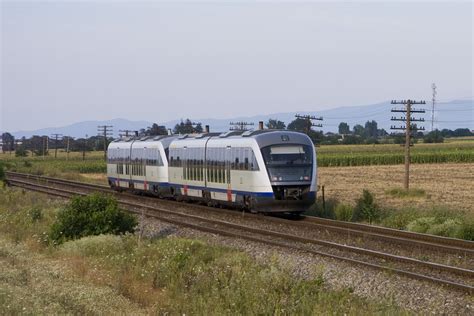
<point>261,171</point>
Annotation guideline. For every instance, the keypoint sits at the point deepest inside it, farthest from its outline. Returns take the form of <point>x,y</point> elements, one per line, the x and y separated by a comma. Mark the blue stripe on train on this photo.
<point>193,187</point>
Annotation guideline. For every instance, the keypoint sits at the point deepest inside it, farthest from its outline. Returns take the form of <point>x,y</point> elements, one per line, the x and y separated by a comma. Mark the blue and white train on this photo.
<point>260,171</point>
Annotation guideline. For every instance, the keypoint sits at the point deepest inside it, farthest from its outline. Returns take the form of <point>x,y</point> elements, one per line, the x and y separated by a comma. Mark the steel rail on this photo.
<point>437,243</point>
<point>286,237</point>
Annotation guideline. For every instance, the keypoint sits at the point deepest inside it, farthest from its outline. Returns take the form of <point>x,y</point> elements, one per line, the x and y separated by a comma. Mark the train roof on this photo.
<point>262,137</point>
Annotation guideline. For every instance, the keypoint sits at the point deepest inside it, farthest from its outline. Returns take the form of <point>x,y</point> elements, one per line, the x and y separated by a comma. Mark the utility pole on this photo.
<point>309,121</point>
<point>105,130</point>
<point>68,138</point>
<point>127,132</point>
<point>84,148</point>
<point>408,128</point>
<point>56,137</point>
<point>433,86</point>
<point>45,144</point>
<point>239,126</point>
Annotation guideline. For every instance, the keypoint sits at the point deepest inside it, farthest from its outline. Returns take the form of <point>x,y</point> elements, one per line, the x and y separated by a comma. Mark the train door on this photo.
<point>228,161</point>
<point>186,173</point>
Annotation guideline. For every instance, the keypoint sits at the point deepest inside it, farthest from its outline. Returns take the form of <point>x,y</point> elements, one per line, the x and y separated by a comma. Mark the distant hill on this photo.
<point>80,129</point>
<point>453,114</point>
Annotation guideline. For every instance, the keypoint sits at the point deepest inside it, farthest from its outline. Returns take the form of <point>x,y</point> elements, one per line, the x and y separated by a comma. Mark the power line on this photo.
<point>407,128</point>
<point>240,126</point>
<point>433,86</point>
<point>56,137</point>
<point>309,121</point>
<point>105,130</point>
<point>127,132</point>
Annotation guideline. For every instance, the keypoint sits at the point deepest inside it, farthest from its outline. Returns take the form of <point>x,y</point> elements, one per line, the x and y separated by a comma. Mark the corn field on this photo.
<point>364,155</point>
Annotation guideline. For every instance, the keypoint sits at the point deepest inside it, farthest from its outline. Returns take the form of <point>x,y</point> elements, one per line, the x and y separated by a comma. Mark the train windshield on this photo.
<point>288,163</point>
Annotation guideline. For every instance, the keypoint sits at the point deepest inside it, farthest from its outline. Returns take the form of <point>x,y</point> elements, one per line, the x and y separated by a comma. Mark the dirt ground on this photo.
<point>446,185</point>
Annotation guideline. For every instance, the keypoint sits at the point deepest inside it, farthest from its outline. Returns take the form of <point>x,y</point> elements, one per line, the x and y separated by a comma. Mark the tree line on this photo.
<point>369,133</point>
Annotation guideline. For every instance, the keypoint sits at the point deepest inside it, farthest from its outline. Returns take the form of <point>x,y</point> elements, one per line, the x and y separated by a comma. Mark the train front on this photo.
<point>290,161</point>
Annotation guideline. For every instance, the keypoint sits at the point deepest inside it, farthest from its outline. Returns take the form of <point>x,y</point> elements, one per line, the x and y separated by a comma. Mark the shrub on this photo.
<point>21,152</point>
<point>401,193</point>
<point>466,231</point>
<point>2,171</point>
<point>343,212</point>
<point>365,208</point>
<point>36,214</point>
<point>91,215</point>
<point>324,210</point>
<point>400,218</point>
<point>422,224</point>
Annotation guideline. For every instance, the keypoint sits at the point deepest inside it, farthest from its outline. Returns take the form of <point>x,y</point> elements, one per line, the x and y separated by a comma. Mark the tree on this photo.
<point>359,130</point>
<point>21,152</point>
<point>156,130</point>
<point>371,129</point>
<point>344,128</point>
<point>8,142</point>
<point>187,127</point>
<point>460,132</point>
<point>275,124</point>
<point>433,137</point>
<point>299,125</point>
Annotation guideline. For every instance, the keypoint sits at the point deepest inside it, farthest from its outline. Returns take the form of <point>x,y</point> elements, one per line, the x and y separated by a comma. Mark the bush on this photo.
<point>343,212</point>
<point>36,214</point>
<point>466,231</point>
<point>402,193</point>
<point>94,214</point>
<point>324,210</point>
<point>21,152</point>
<point>2,171</point>
<point>365,208</point>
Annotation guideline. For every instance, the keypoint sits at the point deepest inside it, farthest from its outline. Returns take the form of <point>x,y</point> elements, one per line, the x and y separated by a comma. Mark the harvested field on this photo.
<point>446,185</point>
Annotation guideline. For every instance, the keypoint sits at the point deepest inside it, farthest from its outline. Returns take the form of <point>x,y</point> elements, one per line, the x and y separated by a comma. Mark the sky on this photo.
<point>68,61</point>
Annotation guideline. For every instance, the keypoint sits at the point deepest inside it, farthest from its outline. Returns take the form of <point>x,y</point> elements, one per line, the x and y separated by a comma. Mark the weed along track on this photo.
<point>442,261</point>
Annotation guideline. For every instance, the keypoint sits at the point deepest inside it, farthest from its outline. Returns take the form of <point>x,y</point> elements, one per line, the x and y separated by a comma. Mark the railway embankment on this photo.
<point>370,266</point>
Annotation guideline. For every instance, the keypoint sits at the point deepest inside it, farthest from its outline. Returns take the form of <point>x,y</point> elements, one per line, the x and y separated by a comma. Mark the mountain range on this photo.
<point>451,115</point>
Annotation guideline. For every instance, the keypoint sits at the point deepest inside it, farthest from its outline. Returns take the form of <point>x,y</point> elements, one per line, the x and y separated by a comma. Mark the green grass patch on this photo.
<point>148,275</point>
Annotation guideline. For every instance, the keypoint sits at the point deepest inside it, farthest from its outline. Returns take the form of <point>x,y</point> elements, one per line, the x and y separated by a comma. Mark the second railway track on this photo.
<point>460,278</point>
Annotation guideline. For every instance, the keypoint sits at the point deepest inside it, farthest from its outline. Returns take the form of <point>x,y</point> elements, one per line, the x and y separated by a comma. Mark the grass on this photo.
<point>129,275</point>
<point>72,168</point>
<point>440,221</point>
<point>446,186</point>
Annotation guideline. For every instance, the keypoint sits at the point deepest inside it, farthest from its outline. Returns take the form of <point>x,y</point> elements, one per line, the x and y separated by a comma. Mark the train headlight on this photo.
<point>274,178</point>
<point>306,177</point>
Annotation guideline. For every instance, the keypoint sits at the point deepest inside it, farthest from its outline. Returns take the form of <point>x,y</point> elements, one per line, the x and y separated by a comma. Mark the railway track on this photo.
<point>446,275</point>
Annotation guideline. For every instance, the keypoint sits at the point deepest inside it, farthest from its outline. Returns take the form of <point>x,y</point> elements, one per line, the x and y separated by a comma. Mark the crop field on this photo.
<point>344,170</point>
<point>91,169</point>
<point>453,151</point>
<point>445,185</point>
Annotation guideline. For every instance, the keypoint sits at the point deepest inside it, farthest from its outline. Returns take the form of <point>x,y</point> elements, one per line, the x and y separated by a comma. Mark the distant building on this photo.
<point>1,145</point>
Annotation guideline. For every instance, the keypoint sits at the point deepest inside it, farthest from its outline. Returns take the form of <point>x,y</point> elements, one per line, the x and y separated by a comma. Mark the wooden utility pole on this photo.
<point>84,148</point>
<point>239,126</point>
<point>408,128</point>
<point>127,132</point>
<point>45,142</point>
<point>56,137</point>
<point>68,138</point>
<point>309,121</point>
<point>105,131</point>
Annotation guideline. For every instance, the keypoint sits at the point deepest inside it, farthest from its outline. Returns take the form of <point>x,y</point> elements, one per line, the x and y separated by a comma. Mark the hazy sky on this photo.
<point>63,62</point>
